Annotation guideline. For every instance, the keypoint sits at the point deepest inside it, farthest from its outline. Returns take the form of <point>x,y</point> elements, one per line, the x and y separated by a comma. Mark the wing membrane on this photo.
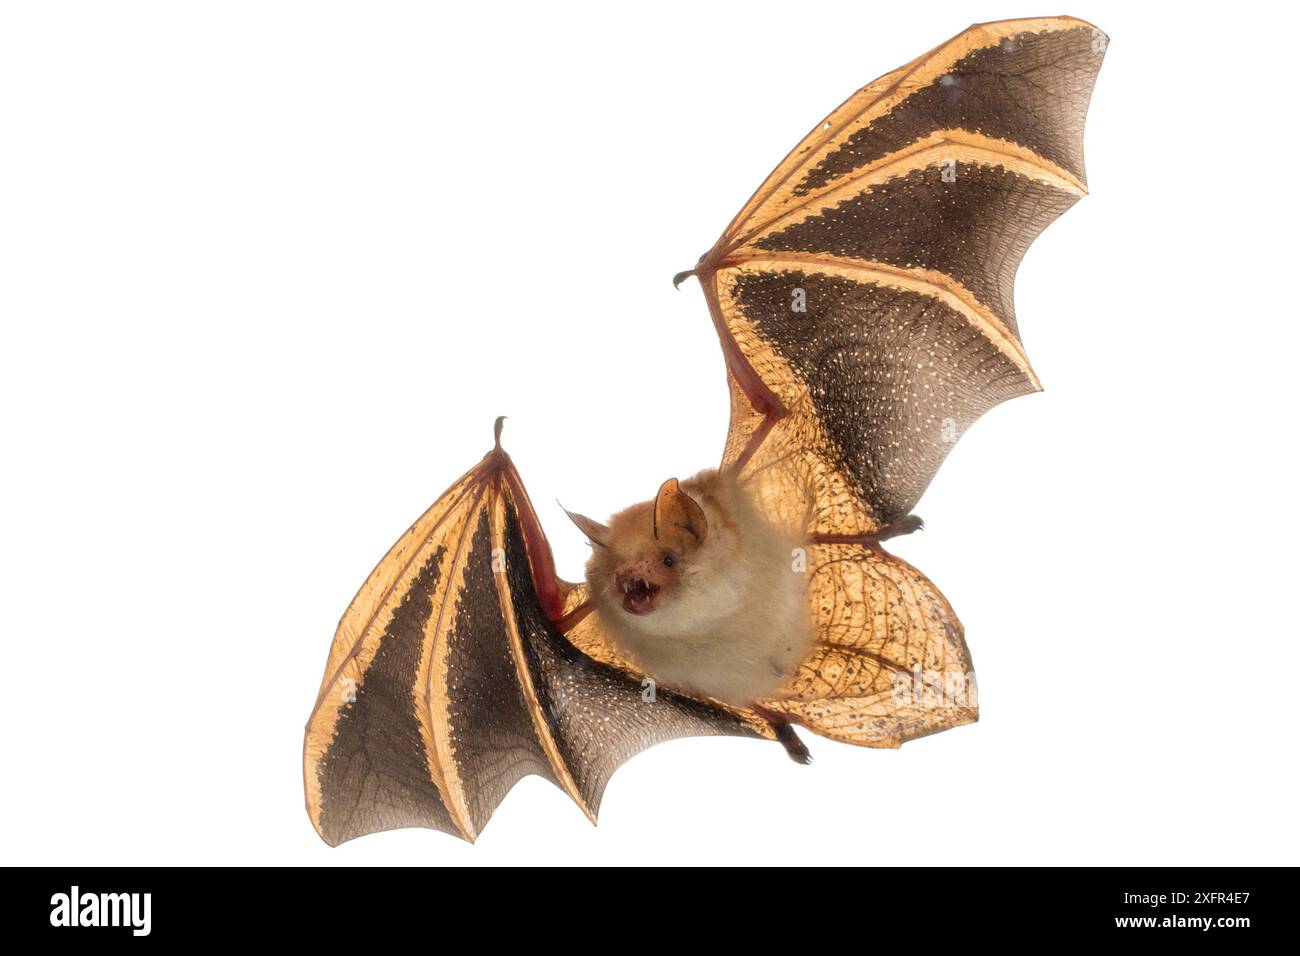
<point>864,294</point>
<point>889,663</point>
<point>448,680</point>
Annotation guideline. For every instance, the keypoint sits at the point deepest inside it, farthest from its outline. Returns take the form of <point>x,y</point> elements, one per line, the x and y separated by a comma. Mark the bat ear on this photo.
<point>678,521</point>
<point>597,533</point>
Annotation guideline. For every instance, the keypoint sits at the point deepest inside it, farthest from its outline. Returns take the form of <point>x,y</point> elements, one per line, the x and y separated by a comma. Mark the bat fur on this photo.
<point>701,591</point>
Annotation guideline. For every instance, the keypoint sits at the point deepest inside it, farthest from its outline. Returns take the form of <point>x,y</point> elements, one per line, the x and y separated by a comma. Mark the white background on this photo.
<point>268,271</point>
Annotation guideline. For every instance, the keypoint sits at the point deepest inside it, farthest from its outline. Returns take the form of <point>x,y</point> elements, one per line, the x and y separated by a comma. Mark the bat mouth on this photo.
<point>639,595</point>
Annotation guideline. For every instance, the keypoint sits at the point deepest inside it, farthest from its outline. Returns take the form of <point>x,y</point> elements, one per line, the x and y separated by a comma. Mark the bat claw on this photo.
<point>902,526</point>
<point>682,277</point>
<point>785,736</point>
<point>795,748</point>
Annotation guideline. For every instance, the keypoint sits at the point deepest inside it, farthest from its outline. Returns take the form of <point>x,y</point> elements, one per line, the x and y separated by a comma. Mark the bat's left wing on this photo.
<point>449,679</point>
<point>863,298</point>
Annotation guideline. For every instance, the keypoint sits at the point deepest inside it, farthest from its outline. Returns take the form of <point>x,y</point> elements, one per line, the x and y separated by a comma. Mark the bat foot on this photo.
<point>904,525</point>
<point>795,748</point>
<point>785,736</point>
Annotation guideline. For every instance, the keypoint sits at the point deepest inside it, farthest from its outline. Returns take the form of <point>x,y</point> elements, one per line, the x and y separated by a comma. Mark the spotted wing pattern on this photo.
<point>864,293</point>
<point>448,680</point>
<point>863,297</point>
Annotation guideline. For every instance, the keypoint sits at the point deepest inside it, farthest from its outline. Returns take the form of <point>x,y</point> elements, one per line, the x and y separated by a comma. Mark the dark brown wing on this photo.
<point>863,298</point>
<point>448,679</point>
<point>864,293</point>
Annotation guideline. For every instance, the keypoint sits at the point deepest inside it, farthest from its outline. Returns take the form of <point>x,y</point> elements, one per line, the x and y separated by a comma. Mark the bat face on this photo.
<point>641,559</point>
<point>697,588</point>
<point>634,569</point>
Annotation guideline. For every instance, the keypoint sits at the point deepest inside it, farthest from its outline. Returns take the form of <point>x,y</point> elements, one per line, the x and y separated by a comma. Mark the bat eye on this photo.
<point>668,560</point>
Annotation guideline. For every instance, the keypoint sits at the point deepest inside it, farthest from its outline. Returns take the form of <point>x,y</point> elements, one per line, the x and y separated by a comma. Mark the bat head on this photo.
<point>639,559</point>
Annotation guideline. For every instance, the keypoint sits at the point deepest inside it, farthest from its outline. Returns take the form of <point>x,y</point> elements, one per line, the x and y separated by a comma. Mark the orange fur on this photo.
<point>727,615</point>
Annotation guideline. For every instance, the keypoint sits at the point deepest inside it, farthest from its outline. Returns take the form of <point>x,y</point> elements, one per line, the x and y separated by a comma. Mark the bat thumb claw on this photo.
<point>682,277</point>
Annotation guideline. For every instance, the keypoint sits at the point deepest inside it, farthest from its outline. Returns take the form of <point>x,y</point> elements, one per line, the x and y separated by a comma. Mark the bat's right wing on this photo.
<point>449,679</point>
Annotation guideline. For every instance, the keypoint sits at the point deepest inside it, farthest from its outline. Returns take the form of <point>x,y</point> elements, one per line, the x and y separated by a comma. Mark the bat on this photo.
<point>863,301</point>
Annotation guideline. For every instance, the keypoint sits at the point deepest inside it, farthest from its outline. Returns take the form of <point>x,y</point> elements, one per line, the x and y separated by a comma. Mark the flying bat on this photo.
<point>863,300</point>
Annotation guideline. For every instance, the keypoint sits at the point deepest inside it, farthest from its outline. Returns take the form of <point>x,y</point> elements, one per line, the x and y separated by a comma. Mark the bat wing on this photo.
<point>449,679</point>
<point>864,293</point>
<point>863,297</point>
